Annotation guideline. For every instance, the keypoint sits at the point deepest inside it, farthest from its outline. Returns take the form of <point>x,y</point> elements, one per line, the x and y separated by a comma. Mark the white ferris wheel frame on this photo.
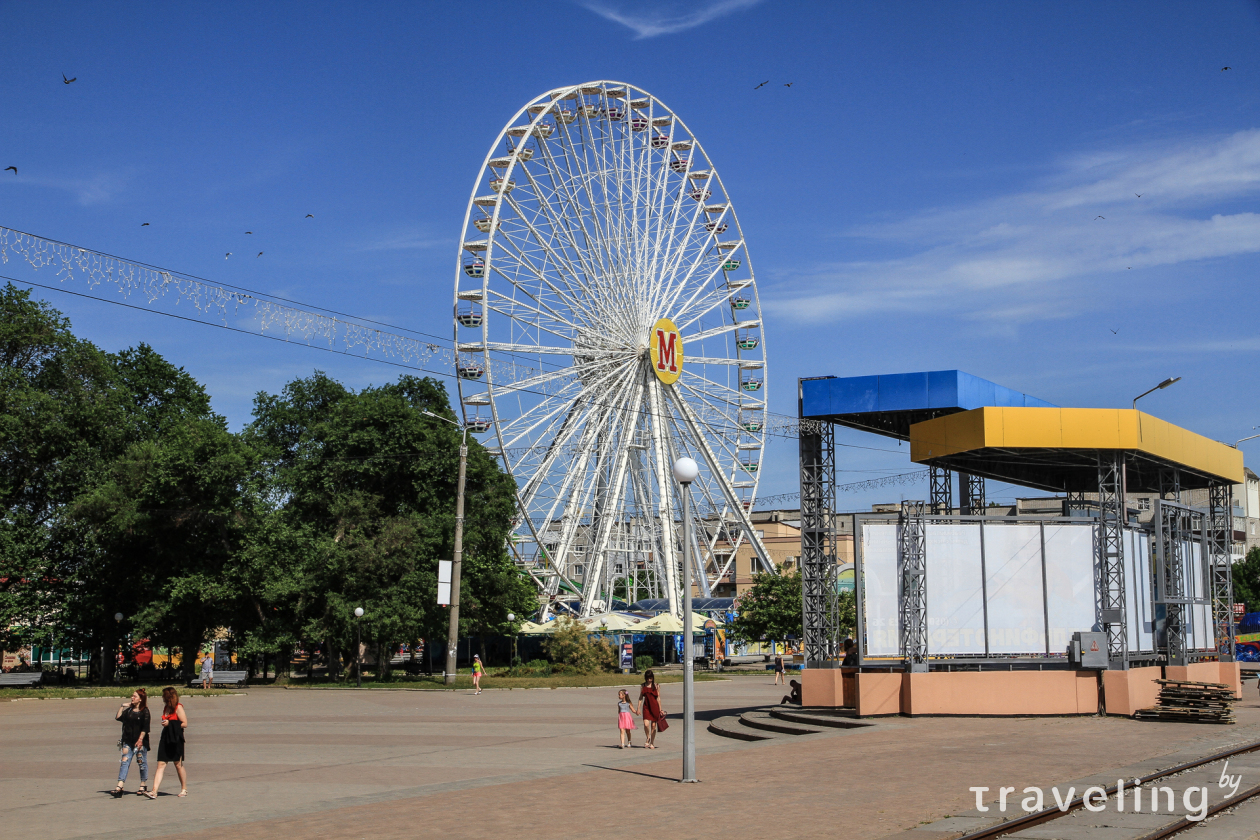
<point>699,409</point>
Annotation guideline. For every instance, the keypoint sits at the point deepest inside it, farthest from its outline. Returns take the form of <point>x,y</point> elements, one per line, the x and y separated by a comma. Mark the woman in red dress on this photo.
<point>653,714</point>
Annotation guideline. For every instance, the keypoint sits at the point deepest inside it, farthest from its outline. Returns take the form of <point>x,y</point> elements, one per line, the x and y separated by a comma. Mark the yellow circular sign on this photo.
<point>667,351</point>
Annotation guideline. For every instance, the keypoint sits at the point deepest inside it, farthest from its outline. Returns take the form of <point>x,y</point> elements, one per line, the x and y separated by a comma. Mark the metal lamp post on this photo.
<point>685,471</point>
<point>452,634</point>
<point>358,650</point>
<point>512,621</point>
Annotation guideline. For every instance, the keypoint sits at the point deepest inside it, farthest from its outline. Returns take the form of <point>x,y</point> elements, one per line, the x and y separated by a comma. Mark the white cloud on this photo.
<point>648,23</point>
<point>1013,256</point>
<point>407,240</point>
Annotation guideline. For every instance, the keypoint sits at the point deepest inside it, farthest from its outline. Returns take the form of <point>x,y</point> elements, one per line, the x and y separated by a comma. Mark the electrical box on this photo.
<point>1089,651</point>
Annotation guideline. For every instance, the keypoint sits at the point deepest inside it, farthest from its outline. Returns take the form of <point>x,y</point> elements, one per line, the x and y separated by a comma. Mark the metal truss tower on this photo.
<point>1220,536</point>
<point>1074,503</point>
<point>819,597</point>
<point>942,490</point>
<point>912,605</point>
<point>1170,567</point>
<point>971,501</point>
<point>1110,547</point>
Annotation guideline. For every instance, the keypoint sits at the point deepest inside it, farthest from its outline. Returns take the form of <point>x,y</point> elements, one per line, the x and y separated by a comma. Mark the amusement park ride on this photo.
<point>606,324</point>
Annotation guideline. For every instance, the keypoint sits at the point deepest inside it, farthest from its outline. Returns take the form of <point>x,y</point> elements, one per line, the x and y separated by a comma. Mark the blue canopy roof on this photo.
<point>889,404</point>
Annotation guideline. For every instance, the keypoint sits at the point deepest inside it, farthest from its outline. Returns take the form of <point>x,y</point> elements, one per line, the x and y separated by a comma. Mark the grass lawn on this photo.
<point>464,681</point>
<point>69,692</point>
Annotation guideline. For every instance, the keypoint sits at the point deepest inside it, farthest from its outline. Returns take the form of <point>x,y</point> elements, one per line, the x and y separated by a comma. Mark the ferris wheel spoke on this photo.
<point>552,215</point>
<point>536,272</point>
<point>511,308</point>
<point>716,331</point>
<point>727,490</point>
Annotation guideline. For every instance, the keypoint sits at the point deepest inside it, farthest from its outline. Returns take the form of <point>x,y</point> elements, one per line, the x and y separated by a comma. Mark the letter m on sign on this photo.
<point>667,358</point>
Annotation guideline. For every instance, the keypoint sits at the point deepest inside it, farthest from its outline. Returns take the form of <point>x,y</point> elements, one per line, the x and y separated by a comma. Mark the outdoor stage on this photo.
<point>963,612</point>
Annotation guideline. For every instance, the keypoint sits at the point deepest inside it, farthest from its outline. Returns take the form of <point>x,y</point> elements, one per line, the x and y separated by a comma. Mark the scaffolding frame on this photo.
<point>971,501</point>
<point>1109,544</point>
<point>820,611</point>
<point>941,488</point>
<point>912,600</point>
<point>1220,534</point>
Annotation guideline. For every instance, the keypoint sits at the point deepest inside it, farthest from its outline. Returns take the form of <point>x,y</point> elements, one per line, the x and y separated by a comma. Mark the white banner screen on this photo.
<point>1017,610</point>
<point>879,587</point>
<point>1069,582</point>
<point>954,589</point>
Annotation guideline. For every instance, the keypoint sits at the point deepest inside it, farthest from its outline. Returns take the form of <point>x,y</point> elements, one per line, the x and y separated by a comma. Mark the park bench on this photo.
<point>28,679</point>
<point>222,678</point>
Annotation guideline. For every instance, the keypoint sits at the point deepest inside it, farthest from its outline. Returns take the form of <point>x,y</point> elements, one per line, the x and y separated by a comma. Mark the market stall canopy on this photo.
<point>613,622</point>
<point>667,623</point>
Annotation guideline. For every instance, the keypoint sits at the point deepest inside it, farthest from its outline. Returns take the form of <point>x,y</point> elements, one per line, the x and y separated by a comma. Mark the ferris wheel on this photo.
<point>607,323</point>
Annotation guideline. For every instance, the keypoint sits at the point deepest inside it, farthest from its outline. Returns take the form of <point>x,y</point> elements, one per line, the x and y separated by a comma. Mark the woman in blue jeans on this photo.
<point>135,740</point>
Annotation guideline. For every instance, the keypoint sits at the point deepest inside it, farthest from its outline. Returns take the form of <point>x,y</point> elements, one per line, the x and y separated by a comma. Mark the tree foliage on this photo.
<point>1247,580</point>
<point>770,609</point>
<point>122,492</point>
<point>570,645</point>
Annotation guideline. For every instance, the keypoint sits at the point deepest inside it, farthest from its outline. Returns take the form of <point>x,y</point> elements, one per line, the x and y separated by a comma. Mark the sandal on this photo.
<point>118,791</point>
<point>150,794</point>
<point>183,792</point>
<point>143,789</point>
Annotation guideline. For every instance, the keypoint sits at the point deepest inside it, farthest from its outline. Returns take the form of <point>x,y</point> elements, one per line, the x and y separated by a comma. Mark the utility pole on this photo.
<point>452,634</point>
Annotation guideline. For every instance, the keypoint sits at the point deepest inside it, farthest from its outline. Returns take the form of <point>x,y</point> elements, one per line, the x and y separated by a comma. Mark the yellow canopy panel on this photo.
<point>1054,447</point>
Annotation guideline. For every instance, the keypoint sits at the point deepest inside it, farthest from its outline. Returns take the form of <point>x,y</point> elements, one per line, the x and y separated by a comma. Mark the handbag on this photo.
<point>662,724</point>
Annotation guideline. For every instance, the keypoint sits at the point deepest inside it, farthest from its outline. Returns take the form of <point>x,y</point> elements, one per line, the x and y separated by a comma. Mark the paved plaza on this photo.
<point>272,763</point>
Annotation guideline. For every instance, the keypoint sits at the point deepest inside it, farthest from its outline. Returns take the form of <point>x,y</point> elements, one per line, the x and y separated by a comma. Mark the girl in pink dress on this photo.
<point>625,718</point>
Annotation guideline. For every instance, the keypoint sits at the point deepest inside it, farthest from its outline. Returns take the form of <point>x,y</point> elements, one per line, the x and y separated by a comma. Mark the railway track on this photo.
<point>1050,814</point>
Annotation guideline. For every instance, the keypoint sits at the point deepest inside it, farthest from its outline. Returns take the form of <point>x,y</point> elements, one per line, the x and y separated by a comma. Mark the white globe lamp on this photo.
<point>686,470</point>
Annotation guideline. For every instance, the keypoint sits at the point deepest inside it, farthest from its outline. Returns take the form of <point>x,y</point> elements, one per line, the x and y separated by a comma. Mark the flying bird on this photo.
<point>249,231</point>
<point>146,224</point>
<point>763,84</point>
<point>259,255</point>
<point>1139,195</point>
<point>228,254</point>
<point>14,168</point>
<point>1096,218</point>
<point>1223,69</point>
<point>789,84</point>
<point>68,81</point>
<point>310,215</point>
<point>1113,332</point>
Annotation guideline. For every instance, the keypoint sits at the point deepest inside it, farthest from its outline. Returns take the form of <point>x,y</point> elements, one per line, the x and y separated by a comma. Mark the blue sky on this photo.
<point>925,195</point>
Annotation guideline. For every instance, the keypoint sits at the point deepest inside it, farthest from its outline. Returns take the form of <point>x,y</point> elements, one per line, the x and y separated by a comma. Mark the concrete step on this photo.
<point>730,727</point>
<point>793,714</point>
<point>764,722</point>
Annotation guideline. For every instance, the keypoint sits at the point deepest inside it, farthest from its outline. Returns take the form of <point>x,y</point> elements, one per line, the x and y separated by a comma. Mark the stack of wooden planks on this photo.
<point>1191,702</point>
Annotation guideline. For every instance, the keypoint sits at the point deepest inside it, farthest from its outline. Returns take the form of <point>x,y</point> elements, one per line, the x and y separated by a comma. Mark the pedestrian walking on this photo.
<point>207,670</point>
<point>653,715</point>
<point>626,710</point>
<point>478,670</point>
<point>171,742</point>
<point>779,672</point>
<point>134,743</point>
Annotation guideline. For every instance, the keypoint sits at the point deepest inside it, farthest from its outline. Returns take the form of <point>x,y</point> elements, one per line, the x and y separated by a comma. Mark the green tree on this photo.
<point>771,609</point>
<point>121,489</point>
<point>1247,580</point>
<point>569,645</point>
<point>361,489</point>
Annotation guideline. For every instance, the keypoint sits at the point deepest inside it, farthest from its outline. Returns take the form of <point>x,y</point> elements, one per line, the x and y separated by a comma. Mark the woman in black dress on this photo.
<point>171,744</point>
<point>135,739</point>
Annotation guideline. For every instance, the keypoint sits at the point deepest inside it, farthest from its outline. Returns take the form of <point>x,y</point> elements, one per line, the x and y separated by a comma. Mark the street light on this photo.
<point>358,650</point>
<point>1250,437</point>
<point>685,471</point>
<point>1161,386</point>
<point>512,621</point>
<point>452,634</point>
